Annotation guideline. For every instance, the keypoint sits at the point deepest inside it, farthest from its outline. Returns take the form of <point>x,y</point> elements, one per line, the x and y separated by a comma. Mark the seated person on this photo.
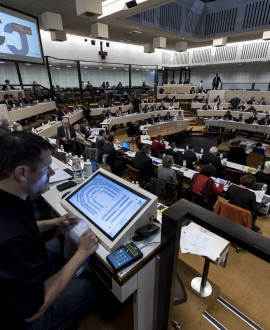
<point>218,107</point>
<point>165,99</point>
<point>237,154</point>
<point>146,108</point>
<point>211,157</point>
<point>151,100</point>
<point>203,99</point>
<point>202,184</point>
<point>162,106</point>
<point>240,117</point>
<point>130,111</point>
<point>7,86</point>
<point>101,103</point>
<point>252,100</point>
<point>173,100</point>
<point>100,140</point>
<point>166,173</point>
<point>265,121</point>
<point>39,284</point>
<point>76,106</point>
<point>241,196</point>
<point>252,119</point>
<point>262,101</point>
<point>133,128</point>
<point>85,128</point>
<point>180,115</point>
<point>192,91</point>
<point>230,107</point>
<point>176,155</point>
<point>206,106</point>
<point>60,113</point>
<point>103,115</point>
<point>20,98</point>
<point>241,107</point>
<point>143,162</point>
<point>154,107</point>
<point>251,109</point>
<point>167,117</point>
<point>27,99</point>
<point>152,120</point>
<point>116,159</point>
<point>158,144</point>
<point>80,137</point>
<point>217,99</point>
<point>14,101</point>
<point>196,98</point>
<point>112,102</point>
<point>259,149</point>
<point>159,119</point>
<point>190,156</point>
<point>161,90</point>
<point>227,116</point>
<point>171,106</point>
<point>109,113</point>
<point>66,108</point>
<point>118,113</point>
<point>264,175</point>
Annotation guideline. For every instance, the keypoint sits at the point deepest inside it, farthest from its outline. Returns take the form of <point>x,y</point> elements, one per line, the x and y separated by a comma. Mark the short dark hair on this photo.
<point>101,131</point>
<point>191,146</point>
<point>258,144</point>
<point>110,138</point>
<point>159,137</point>
<point>208,170</point>
<point>173,144</point>
<point>84,120</point>
<point>248,180</point>
<point>20,148</point>
<point>7,81</point>
<point>6,96</point>
<point>146,148</point>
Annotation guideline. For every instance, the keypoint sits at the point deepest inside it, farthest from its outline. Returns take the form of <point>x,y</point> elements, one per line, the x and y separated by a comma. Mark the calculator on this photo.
<point>124,256</point>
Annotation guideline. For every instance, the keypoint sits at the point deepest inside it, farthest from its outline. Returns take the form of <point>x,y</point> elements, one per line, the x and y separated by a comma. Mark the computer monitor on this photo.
<point>95,165</point>
<point>126,145</point>
<point>114,207</point>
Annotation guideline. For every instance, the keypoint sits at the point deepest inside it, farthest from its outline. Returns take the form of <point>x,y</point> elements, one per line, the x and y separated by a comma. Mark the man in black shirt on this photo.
<point>143,162</point>
<point>32,288</point>
<point>212,158</point>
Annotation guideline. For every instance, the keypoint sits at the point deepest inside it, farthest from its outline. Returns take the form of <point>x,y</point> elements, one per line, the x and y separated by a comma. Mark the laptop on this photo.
<point>95,165</point>
<point>125,147</point>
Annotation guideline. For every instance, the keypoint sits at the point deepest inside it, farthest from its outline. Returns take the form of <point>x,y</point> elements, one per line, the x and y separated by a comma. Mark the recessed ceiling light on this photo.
<point>126,69</point>
<point>68,66</point>
<point>85,67</point>
<point>50,64</point>
<point>100,68</point>
<point>147,70</point>
<point>114,68</point>
<point>27,63</point>
<point>137,69</point>
<point>1,62</point>
<point>58,68</point>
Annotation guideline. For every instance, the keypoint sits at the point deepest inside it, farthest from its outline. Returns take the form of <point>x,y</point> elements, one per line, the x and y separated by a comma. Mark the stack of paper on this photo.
<point>198,243</point>
<point>59,175</point>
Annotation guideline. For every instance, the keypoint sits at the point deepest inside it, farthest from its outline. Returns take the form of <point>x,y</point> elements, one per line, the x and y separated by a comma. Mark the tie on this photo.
<point>67,135</point>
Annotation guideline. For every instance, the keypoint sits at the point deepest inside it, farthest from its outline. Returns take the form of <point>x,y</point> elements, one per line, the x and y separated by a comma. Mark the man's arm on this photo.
<point>65,220</point>
<point>56,284</point>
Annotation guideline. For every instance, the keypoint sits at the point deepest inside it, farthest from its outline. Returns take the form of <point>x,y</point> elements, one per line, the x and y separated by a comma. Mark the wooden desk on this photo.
<point>177,88</point>
<point>13,91</point>
<point>109,123</point>
<point>185,96</point>
<point>32,110</point>
<point>237,125</point>
<point>4,110</point>
<point>166,128</point>
<point>243,95</point>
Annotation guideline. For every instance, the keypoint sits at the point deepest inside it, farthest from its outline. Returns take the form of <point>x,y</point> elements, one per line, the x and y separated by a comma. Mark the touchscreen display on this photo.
<point>218,181</point>
<point>107,204</point>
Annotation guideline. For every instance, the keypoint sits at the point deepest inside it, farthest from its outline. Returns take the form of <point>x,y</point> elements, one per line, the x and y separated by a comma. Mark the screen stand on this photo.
<point>200,285</point>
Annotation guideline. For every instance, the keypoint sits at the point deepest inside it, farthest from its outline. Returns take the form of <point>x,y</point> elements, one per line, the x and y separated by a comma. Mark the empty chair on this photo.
<point>257,136</point>
<point>237,155</point>
<point>243,133</point>
<point>233,175</point>
<point>166,193</point>
<point>254,159</point>
<point>212,130</point>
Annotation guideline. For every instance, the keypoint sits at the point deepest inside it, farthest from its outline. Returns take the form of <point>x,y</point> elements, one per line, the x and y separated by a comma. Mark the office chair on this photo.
<point>233,175</point>
<point>254,159</point>
<point>135,175</point>
<point>237,155</point>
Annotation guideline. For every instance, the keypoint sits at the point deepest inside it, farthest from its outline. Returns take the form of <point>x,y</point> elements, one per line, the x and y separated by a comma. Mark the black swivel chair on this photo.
<point>237,155</point>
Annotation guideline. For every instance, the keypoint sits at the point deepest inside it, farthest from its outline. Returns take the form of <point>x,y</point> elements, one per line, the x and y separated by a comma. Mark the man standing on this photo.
<point>216,81</point>
<point>67,136</point>
<point>235,101</point>
<point>6,100</point>
<point>37,288</point>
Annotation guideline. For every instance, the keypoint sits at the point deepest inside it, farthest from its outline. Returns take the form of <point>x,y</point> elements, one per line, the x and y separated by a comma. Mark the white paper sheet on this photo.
<point>59,174</point>
<point>259,195</point>
<point>198,243</point>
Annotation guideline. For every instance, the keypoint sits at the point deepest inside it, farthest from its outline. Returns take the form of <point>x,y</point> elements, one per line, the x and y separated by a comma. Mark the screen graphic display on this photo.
<point>19,37</point>
<point>107,204</point>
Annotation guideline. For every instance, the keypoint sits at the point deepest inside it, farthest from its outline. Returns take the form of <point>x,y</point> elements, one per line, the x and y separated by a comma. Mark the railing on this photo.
<point>264,86</point>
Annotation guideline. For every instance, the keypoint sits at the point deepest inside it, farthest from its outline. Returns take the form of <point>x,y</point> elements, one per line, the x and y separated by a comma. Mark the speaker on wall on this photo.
<point>93,42</point>
<point>131,4</point>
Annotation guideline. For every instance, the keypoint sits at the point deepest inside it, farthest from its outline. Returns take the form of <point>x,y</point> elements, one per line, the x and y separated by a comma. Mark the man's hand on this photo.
<point>264,199</point>
<point>64,139</point>
<point>222,182</point>
<point>73,139</point>
<point>66,220</point>
<point>88,243</point>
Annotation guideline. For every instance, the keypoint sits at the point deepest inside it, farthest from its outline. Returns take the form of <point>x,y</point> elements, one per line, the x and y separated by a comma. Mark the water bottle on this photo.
<point>62,148</point>
<point>187,147</point>
<point>82,161</point>
<point>221,156</point>
<point>184,164</point>
<point>259,168</point>
<point>202,151</point>
<point>132,182</point>
<point>87,169</point>
<point>137,184</point>
<point>77,169</point>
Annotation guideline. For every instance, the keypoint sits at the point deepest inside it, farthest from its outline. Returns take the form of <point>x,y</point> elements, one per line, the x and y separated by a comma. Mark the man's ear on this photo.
<point>21,173</point>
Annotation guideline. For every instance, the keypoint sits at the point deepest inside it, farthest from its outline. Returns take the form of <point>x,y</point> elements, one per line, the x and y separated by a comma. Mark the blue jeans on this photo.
<point>77,297</point>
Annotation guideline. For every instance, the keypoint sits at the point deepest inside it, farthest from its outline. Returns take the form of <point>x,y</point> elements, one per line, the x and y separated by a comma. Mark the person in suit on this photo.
<point>67,136</point>
<point>6,100</point>
<point>87,112</point>
<point>180,115</point>
<point>151,120</point>
<point>227,116</point>
<point>167,117</point>
<point>189,156</point>
<point>252,119</point>
<point>85,128</point>
<point>241,107</point>
<point>143,162</point>
<point>206,106</point>
<point>130,110</point>
<point>216,81</point>
<point>235,101</point>
<point>212,158</point>
<point>162,106</point>
<point>240,118</point>
<point>27,99</point>
<point>7,86</point>
<point>103,115</point>
<point>159,119</point>
<point>20,98</point>
<point>251,109</point>
<point>171,106</point>
<point>265,121</point>
<point>165,99</point>
<point>217,99</point>
<point>61,113</point>
<point>262,101</point>
<point>252,100</point>
<point>13,101</point>
<point>218,107</point>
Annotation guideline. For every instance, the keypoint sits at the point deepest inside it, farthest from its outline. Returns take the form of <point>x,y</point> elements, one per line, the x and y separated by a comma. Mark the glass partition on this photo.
<point>8,71</point>
<point>99,73</point>
<point>141,74</point>
<point>240,86</point>
<point>64,74</point>
<point>31,73</point>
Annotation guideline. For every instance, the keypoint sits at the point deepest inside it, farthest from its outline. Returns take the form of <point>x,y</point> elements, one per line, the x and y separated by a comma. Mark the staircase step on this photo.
<point>227,318</point>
